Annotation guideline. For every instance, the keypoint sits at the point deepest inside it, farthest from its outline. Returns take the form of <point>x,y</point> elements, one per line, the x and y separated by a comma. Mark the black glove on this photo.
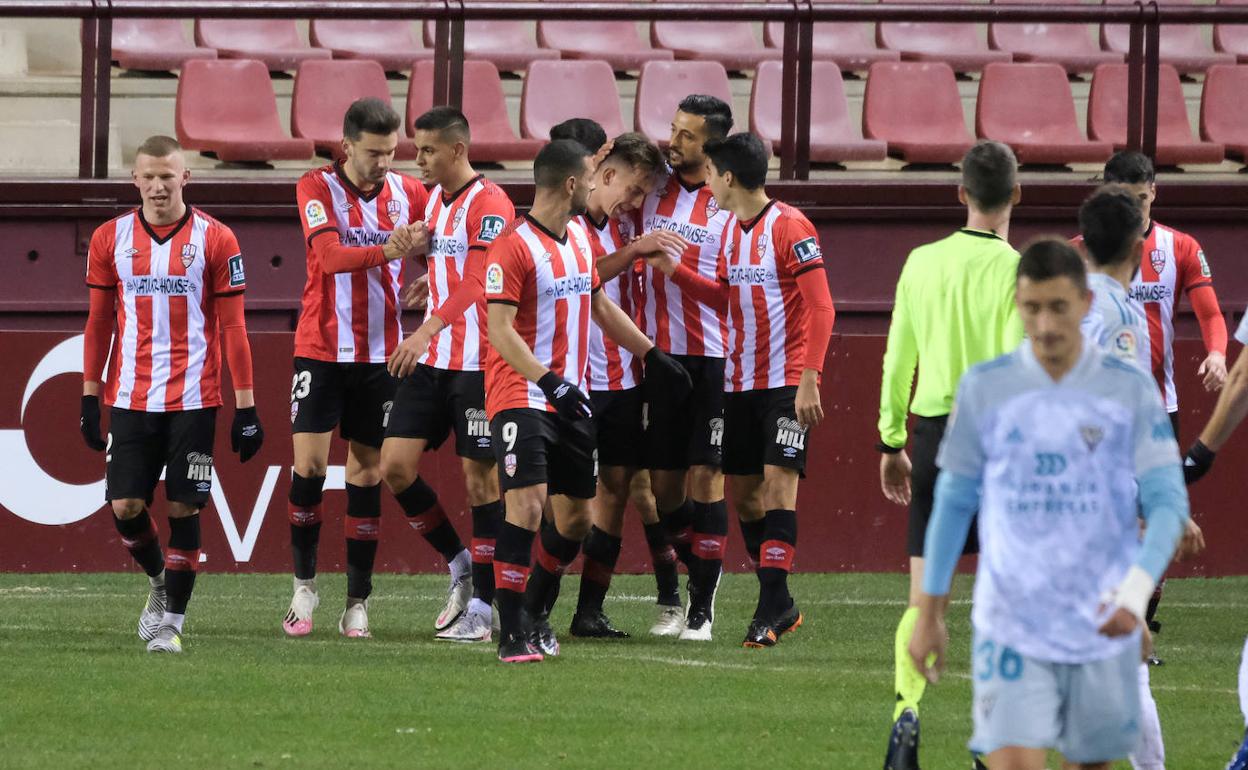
<point>1197,463</point>
<point>668,371</point>
<point>246,435</point>
<point>89,422</point>
<point>566,398</point>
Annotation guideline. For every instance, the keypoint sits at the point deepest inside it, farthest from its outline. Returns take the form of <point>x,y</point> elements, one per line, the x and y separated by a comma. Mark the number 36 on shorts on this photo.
<point>992,660</point>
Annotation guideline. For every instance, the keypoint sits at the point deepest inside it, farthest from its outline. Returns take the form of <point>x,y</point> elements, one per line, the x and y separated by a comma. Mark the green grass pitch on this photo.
<point>77,689</point>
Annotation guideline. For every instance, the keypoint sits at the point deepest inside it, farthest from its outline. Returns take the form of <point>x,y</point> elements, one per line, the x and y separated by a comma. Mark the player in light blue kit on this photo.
<point>1111,225</point>
<point>1049,443</point>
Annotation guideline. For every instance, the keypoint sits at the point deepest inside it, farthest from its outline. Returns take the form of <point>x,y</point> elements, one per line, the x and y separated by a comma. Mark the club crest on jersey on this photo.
<point>509,464</point>
<point>712,207</point>
<point>494,279</point>
<point>1157,258</point>
<point>458,218</point>
<point>491,227</point>
<point>763,243</point>
<point>314,214</point>
<point>728,249</point>
<point>188,254</point>
<point>807,250</point>
<point>625,226</point>
<point>1092,435</point>
<point>393,209</point>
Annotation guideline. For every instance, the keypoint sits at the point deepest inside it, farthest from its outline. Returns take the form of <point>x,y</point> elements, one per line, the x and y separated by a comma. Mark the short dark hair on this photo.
<point>557,161</point>
<point>715,111</point>
<point>1046,258</point>
<point>587,132</point>
<point>635,151</point>
<point>743,154</point>
<point>1110,221</point>
<point>989,174</point>
<point>158,146</point>
<point>369,115</point>
<point>447,121</point>
<point>1129,167</point>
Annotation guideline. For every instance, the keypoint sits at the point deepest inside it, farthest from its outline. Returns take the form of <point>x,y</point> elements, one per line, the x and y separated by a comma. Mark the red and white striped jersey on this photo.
<point>463,221</point>
<point>677,324</point>
<point>1171,264</point>
<point>166,356</point>
<point>354,316</point>
<point>550,282</point>
<point>767,316</point>
<point>612,367</point>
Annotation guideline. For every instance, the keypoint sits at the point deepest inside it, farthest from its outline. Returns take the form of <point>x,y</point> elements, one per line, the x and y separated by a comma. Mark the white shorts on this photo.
<point>1090,712</point>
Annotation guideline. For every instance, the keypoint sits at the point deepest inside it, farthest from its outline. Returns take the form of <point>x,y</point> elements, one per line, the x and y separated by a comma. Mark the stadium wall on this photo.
<point>52,516</point>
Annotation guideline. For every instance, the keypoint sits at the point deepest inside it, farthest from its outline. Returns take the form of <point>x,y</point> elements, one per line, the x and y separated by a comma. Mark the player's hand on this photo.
<point>246,434</point>
<point>402,243</point>
<point>663,368</point>
<point>408,352</point>
<point>663,262</point>
<point>806,404</point>
<point>418,231</point>
<point>416,293</point>
<point>1122,622</point>
<point>1213,370</point>
<point>566,398</point>
<point>602,154</point>
<point>661,242</point>
<point>89,422</point>
<point>927,646</point>
<point>895,477</point>
<point>1197,462</point>
<point>1192,542</point>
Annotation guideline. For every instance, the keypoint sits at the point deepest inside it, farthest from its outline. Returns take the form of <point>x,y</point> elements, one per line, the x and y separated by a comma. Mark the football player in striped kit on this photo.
<point>171,279</point>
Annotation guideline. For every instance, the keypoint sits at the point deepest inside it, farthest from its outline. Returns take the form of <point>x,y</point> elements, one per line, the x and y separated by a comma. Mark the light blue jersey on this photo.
<point>1057,463</point>
<point>1116,324</point>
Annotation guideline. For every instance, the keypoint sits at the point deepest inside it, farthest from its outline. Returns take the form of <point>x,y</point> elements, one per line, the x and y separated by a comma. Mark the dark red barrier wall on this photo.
<point>845,522</point>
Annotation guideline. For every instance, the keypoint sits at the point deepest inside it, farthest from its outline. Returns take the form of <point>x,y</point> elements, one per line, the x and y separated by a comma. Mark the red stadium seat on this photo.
<point>1030,107</point>
<point>664,83</point>
<point>833,135</point>
<point>389,42</point>
<point>916,108</point>
<point>275,42</point>
<point>851,45</point>
<point>615,42</point>
<point>228,108</point>
<point>508,44</point>
<point>731,43</point>
<point>1069,45</point>
<point>1232,38</point>
<point>557,90</point>
<point>957,44</point>
<point>324,90</point>
<point>484,105</point>
<point>1183,46</point>
<point>1224,108</point>
<point>153,44</point>
<point>1107,117</point>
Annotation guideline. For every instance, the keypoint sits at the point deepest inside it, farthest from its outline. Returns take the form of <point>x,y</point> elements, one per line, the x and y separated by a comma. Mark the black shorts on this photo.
<point>432,402</point>
<point>142,444</point>
<point>535,447</point>
<point>760,428</point>
<point>681,433</point>
<point>325,394</point>
<point>928,431</point>
<point>618,424</point>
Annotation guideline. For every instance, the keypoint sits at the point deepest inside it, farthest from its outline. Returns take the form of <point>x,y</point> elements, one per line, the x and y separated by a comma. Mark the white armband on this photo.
<point>1134,592</point>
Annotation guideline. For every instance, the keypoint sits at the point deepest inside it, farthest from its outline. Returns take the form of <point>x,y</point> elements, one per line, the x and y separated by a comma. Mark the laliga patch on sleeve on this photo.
<point>237,276</point>
<point>1204,265</point>
<point>314,214</point>
<point>494,279</point>
<point>807,250</point>
<point>1126,344</point>
<point>491,226</point>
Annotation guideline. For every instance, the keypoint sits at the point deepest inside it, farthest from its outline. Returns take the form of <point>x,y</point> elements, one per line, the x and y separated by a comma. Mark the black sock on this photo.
<point>486,519</point>
<point>511,570</point>
<point>1154,600</point>
<point>602,552</point>
<point>663,558</point>
<point>139,537</point>
<point>304,511</point>
<point>679,526</point>
<point>776,560</point>
<point>753,532</point>
<point>710,535</point>
<point>182,562</point>
<point>362,527</point>
<point>554,553</point>
<point>425,514</point>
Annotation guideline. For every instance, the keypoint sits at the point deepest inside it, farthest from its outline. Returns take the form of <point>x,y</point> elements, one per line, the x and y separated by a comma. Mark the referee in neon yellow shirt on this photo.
<point>954,308</point>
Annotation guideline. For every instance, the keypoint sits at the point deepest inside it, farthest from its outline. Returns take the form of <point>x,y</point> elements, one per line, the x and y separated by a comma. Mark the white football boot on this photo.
<point>457,597</point>
<point>354,621</point>
<point>298,621</point>
<point>167,639</point>
<point>471,627</point>
<point>153,612</point>
<point>671,621</point>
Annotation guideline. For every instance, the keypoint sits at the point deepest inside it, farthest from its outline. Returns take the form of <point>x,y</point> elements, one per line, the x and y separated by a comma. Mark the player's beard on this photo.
<point>580,205</point>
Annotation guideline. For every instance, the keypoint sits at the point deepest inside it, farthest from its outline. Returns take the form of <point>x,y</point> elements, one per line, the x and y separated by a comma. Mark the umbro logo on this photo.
<point>775,553</point>
<point>513,576</point>
<point>561,391</point>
